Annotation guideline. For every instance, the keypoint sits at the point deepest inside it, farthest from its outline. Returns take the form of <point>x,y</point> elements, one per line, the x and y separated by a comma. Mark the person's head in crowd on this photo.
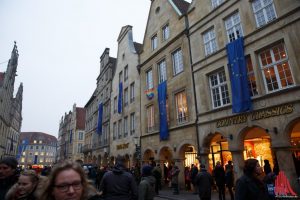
<point>27,182</point>
<point>147,170</point>
<point>66,181</point>
<point>202,167</point>
<point>8,167</point>
<point>120,162</point>
<point>252,167</point>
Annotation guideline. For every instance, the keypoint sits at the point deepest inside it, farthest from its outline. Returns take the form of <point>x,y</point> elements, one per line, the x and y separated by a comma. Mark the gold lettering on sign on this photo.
<point>256,115</point>
<point>122,146</point>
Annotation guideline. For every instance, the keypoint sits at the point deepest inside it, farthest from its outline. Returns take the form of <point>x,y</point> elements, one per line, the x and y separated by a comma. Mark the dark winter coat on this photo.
<point>147,188</point>
<point>6,184</point>
<point>219,175</point>
<point>247,188</point>
<point>118,185</point>
<point>204,182</point>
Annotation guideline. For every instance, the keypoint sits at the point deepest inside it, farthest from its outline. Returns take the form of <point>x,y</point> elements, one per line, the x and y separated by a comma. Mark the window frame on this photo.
<point>166,32</point>
<point>149,79</point>
<point>150,118</point>
<point>210,42</point>
<point>132,123</point>
<point>219,87</point>
<point>263,10</point>
<point>181,103</point>
<point>162,71</point>
<point>154,42</point>
<point>132,92</point>
<point>235,27</point>
<point>177,60</point>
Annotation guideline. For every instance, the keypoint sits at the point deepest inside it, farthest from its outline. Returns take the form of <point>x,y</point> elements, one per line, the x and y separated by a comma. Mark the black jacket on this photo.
<point>6,184</point>
<point>247,188</point>
<point>118,185</point>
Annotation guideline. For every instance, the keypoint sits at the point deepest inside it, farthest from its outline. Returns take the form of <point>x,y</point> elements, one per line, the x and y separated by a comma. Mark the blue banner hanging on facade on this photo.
<point>120,97</point>
<point>22,148</point>
<point>241,100</point>
<point>163,120</point>
<point>35,159</point>
<point>100,113</point>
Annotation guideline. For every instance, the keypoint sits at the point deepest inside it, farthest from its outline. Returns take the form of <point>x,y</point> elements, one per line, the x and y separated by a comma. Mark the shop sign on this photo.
<point>122,146</point>
<point>256,115</point>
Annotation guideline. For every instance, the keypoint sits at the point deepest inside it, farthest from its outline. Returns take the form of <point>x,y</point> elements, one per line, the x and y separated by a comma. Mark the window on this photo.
<point>114,131</point>
<point>120,128</point>
<point>40,142</point>
<point>125,126</point>
<point>181,107</point>
<point>177,61</point>
<point>79,148</point>
<point>166,32</point>
<point>162,71</point>
<point>275,68</point>
<point>34,141</point>
<point>216,3</point>
<point>219,89</point>
<point>264,11</point>
<point>80,135</point>
<point>126,73</point>
<point>251,77</point>
<point>126,97</point>
<point>154,41</point>
<point>120,77</point>
<point>210,43</point>
<point>115,104</point>
<point>233,27</point>
<point>150,118</point>
<point>149,79</point>
<point>132,92</point>
<point>132,123</point>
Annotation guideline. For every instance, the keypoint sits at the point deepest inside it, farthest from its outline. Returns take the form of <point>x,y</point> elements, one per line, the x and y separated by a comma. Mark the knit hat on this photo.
<point>147,170</point>
<point>10,161</point>
<point>202,166</point>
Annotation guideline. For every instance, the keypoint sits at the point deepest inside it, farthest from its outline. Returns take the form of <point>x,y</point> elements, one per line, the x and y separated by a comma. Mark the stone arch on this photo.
<point>148,155</point>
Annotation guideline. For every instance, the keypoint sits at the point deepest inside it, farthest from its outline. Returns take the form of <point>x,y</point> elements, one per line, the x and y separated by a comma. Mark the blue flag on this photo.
<point>100,113</point>
<point>22,148</point>
<point>163,121</point>
<point>241,100</point>
<point>120,97</point>
<point>35,160</point>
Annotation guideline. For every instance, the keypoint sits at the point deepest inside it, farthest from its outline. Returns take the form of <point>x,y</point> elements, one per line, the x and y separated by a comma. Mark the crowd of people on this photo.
<point>70,180</point>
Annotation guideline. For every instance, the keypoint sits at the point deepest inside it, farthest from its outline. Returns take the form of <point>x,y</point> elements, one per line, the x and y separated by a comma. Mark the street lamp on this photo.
<point>136,141</point>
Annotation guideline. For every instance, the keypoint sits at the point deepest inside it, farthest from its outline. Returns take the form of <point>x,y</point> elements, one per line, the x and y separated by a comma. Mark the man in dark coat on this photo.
<point>194,172</point>
<point>219,176</point>
<point>119,184</point>
<point>204,182</point>
<point>8,175</point>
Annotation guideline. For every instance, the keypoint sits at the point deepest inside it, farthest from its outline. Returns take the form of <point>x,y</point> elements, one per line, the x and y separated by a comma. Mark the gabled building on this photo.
<point>267,81</point>
<point>125,97</point>
<point>97,141</point>
<point>71,135</point>
<point>10,108</point>
<point>168,113</point>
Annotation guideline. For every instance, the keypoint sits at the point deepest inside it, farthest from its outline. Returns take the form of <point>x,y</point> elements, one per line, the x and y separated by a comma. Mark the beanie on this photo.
<point>10,161</point>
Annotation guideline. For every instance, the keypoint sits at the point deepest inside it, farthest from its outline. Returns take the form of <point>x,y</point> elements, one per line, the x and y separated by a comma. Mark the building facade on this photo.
<point>125,97</point>
<point>270,128</point>
<point>10,108</point>
<point>97,141</point>
<point>36,150</point>
<point>165,67</point>
<point>71,135</point>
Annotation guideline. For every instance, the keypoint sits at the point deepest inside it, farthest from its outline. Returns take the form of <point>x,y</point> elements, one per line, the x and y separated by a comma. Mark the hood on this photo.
<point>118,169</point>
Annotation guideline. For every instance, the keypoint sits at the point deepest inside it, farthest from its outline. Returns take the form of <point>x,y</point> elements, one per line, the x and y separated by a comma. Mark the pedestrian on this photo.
<point>194,172</point>
<point>8,175</point>
<point>229,178</point>
<point>219,176</point>
<point>119,184</point>
<point>204,182</point>
<point>267,167</point>
<point>100,175</point>
<point>249,186</point>
<point>28,187</point>
<point>157,174</point>
<point>174,179</point>
<point>147,184</point>
<point>68,180</point>
<point>187,178</point>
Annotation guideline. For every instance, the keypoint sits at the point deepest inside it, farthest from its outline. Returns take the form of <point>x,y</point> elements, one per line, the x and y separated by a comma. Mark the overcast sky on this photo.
<point>60,43</point>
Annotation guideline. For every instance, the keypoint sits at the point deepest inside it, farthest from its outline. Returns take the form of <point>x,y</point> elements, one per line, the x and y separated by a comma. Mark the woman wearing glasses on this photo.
<point>28,187</point>
<point>67,181</point>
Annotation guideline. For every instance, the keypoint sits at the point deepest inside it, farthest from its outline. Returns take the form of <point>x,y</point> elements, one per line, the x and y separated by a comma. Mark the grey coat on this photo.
<point>204,182</point>
<point>147,188</point>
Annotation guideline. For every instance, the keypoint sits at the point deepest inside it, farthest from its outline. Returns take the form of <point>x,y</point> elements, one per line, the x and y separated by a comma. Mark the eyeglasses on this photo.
<point>65,187</point>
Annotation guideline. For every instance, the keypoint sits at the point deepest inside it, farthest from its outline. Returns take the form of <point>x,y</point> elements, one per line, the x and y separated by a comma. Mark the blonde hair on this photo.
<point>31,174</point>
<point>66,165</point>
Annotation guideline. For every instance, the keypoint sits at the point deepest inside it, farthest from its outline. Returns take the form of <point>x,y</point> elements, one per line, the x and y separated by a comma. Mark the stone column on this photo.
<point>238,163</point>
<point>286,164</point>
<point>203,157</point>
